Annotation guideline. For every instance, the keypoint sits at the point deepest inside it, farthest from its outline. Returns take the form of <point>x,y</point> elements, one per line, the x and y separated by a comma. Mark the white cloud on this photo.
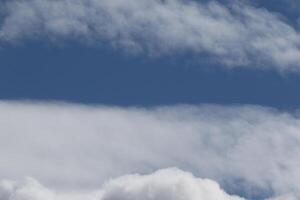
<point>235,35</point>
<point>31,189</point>
<point>246,149</point>
<point>167,184</point>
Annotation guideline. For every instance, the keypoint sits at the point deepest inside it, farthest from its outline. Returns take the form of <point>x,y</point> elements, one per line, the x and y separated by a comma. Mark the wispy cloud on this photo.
<point>248,150</point>
<point>235,35</point>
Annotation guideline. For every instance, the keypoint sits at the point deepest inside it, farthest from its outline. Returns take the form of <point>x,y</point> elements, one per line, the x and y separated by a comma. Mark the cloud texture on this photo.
<point>235,34</point>
<point>250,151</point>
<point>168,184</point>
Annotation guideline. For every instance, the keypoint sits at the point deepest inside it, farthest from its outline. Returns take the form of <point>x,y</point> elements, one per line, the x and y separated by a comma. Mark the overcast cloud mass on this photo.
<point>250,151</point>
<point>235,35</point>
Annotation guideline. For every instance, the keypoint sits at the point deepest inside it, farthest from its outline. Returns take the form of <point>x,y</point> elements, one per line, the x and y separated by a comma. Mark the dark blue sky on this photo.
<point>103,76</point>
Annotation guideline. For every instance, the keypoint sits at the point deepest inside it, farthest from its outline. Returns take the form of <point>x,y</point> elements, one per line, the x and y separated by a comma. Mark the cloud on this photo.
<point>167,184</point>
<point>285,197</point>
<point>235,34</point>
<point>251,151</point>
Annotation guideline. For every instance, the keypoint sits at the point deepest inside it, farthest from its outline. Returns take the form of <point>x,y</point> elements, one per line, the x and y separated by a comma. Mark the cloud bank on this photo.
<point>235,34</point>
<point>250,151</point>
<point>168,184</point>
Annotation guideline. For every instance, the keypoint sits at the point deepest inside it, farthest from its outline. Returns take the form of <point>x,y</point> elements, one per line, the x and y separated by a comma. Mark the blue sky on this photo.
<point>95,75</point>
<point>201,94</point>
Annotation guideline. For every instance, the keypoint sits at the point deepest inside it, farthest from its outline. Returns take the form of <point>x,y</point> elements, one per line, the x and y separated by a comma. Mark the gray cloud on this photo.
<point>235,35</point>
<point>246,149</point>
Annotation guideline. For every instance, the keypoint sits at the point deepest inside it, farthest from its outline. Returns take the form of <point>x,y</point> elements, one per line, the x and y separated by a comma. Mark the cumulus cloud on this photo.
<point>167,184</point>
<point>250,151</point>
<point>235,34</point>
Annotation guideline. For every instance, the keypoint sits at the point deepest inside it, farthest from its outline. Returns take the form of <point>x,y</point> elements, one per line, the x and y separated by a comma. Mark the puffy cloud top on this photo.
<point>167,184</point>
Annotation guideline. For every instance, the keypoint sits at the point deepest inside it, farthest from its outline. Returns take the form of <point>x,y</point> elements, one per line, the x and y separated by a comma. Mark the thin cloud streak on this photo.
<point>235,35</point>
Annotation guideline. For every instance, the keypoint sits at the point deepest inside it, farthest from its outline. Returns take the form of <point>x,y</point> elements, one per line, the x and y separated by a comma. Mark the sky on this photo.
<point>149,99</point>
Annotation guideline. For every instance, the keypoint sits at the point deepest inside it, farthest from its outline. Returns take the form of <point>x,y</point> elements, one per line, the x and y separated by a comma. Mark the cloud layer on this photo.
<point>167,184</point>
<point>235,34</point>
<point>250,151</point>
